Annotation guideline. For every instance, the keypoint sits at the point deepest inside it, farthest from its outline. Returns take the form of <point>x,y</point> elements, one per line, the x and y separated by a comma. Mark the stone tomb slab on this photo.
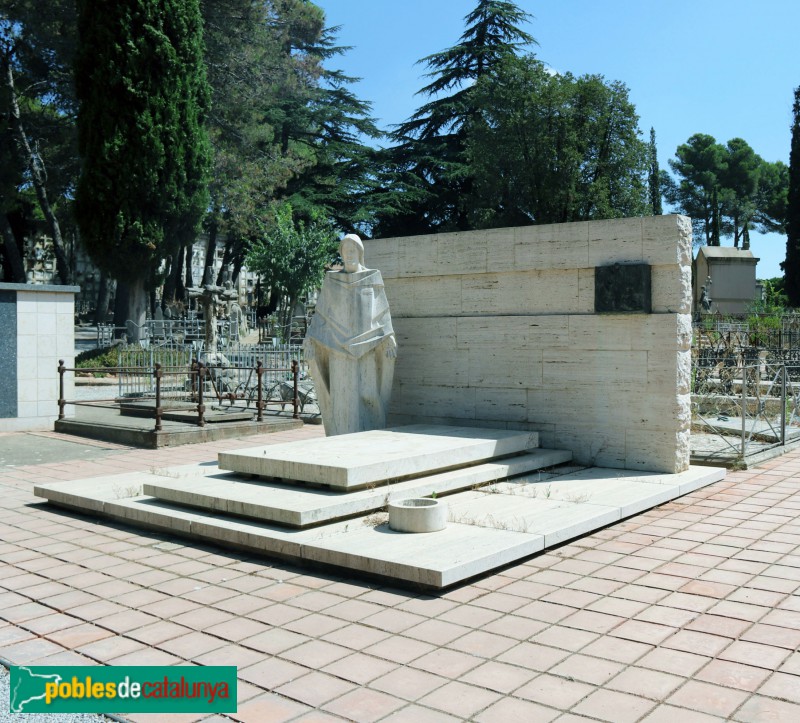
<point>303,506</point>
<point>489,527</point>
<point>351,461</point>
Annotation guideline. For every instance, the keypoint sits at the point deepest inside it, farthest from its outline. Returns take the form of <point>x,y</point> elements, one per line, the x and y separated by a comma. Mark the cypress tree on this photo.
<point>654,177</point>
<point>143,94</point>
<point>791,267</point>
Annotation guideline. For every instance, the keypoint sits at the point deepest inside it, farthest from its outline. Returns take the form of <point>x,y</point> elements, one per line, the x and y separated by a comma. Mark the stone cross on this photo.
<point>209,295</point>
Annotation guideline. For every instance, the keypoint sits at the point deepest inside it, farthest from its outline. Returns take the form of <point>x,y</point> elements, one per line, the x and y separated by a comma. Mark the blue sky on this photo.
<point>727,68</point>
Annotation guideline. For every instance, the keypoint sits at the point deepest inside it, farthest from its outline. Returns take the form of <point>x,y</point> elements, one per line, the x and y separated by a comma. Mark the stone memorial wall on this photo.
<point>37,328</point>
<point>500,328</point>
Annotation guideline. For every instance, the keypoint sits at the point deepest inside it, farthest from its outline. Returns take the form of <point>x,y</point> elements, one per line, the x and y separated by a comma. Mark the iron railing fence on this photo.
<point>729,322</point>
<point>135,363</point>
<point>196,384</point>
<point>159,331</point>
<point>743,404</point>
<point>774,345</point>
<point>231,372</point>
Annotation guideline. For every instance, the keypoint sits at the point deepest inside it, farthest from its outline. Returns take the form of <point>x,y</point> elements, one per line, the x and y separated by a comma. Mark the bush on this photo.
<point>105,358</point>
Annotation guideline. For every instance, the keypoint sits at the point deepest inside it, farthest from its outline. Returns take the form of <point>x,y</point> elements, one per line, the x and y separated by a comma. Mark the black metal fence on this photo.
<point>198,384</point>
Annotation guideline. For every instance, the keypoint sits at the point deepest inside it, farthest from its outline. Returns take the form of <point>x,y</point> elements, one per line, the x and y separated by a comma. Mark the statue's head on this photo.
<point>352,252</point>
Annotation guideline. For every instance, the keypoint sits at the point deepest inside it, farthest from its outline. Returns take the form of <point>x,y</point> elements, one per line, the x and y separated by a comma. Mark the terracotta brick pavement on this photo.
<point>687,612</point>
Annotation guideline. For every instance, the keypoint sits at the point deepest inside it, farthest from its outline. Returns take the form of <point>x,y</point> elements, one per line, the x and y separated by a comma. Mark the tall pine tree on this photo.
<point>143,94</point>
<point>791,267</point>
<point>328,129</point>
<point>429,159</point>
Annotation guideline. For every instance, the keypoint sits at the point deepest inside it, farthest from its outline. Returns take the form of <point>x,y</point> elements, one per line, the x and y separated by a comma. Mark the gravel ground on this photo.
<point>89,393</point>
<point>7,717</point>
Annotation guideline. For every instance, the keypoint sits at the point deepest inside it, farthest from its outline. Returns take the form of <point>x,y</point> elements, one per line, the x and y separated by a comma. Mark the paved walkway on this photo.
<point>687,613</point>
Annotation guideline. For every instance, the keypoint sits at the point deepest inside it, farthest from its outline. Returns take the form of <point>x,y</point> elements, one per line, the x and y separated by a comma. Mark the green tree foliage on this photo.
<point>141,83</point>
<point>251,73</point>
<point>775,299</point>
<point>772,198</point>
<point>283,125</point>
<point>698,165</point>
<point>550,148</point>
<point>37,137</point>
<point>791,266</point>
<point>726,189</point>
<point>290,256</point>
<point>428,164</point>
<point>340,180</point>
<point>739,181</point>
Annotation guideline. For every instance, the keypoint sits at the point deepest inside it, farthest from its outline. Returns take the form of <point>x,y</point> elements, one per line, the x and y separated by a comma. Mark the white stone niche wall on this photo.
<point>497,328</point>
<point>45,322</point>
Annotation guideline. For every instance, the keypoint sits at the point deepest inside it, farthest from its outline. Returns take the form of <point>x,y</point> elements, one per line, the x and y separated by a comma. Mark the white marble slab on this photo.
<point>489,529</point>
<point>356,460</point>
<point>300,507</point>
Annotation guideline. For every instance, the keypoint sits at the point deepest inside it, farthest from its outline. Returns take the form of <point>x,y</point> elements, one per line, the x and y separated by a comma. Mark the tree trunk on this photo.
<point>37,176</point>
<point>211,246</point>
<point>237,269</point>
<point>130,310</point>
<point>137,309</point>
<point>11,251</point>
<point>715,224</point>
<point>227,254</point>
<point>120,308</point>
<point>188,278</point>
<point>171,284</point>
<point>103,297</point>
<point>180,287</point>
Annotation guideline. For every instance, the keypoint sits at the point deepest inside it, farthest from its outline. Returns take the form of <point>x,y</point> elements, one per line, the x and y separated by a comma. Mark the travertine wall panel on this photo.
<point>615,241</point>
<point>625,370</point>
<point>498,328</point>
<point>500,404</point>
<point>524,332</point>
<point>545,248</point>
<point>672,286</point>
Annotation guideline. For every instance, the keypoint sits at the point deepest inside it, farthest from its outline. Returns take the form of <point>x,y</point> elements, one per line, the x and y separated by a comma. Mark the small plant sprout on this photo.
<point>125,492</point>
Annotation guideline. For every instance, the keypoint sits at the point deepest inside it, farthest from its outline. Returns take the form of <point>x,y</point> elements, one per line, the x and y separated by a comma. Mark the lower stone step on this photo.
<point>302,507</point>
<point>455,554</point>
<point>487,528</point>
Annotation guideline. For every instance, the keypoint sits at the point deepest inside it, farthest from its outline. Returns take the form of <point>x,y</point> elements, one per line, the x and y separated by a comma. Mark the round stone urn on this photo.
<point>418,514</point>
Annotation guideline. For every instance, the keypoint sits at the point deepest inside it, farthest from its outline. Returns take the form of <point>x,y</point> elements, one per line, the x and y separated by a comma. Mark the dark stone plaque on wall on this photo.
<point>622,288</point>
<point>8,354</point>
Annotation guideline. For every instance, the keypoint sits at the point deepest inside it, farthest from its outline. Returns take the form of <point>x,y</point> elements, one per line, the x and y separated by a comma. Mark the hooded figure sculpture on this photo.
<point>350,345</point>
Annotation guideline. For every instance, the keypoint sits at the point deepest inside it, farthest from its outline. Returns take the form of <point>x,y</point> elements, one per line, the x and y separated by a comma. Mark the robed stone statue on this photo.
<point>350,345</point>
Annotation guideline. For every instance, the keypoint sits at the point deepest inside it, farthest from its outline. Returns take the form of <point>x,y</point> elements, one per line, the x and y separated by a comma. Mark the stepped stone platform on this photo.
<point>350,461</point>
<point>512,504</point>
<point>303,507</point>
